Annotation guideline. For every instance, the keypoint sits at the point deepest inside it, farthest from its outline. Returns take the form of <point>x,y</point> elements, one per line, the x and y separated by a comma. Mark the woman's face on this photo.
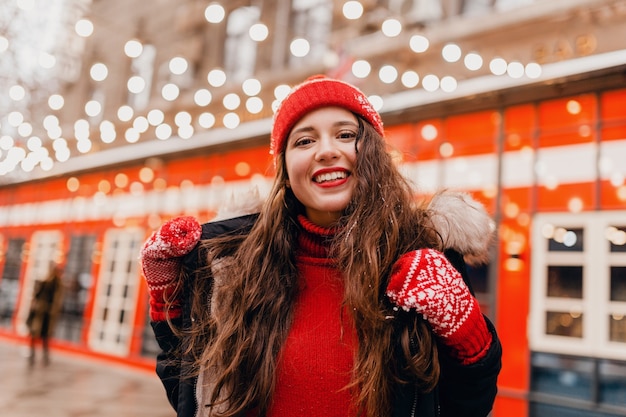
<point>320,156</point>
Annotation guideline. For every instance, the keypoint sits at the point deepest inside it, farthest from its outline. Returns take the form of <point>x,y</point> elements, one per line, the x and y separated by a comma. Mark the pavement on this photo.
<point>76,386</point>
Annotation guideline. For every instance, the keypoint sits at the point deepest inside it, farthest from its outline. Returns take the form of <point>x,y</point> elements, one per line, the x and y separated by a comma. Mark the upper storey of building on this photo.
<point>165,76</point>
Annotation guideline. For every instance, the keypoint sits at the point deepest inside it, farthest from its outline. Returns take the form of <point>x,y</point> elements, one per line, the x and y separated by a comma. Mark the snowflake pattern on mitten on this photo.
<point>426,281</point>
<point>432,286</point>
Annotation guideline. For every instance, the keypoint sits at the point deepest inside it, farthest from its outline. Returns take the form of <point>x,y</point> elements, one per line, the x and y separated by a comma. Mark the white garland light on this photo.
<point>352,10</point>
<point>214,13</point>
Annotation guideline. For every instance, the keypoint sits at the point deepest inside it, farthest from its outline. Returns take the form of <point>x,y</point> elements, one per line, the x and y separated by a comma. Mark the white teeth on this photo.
<point>330,176</point>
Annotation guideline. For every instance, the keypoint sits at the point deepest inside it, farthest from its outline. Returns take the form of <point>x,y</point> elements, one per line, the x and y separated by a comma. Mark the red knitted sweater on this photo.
<point>316,362</point>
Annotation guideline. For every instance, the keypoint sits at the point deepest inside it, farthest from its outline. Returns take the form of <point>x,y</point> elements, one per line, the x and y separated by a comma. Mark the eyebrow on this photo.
<point>311,128</point>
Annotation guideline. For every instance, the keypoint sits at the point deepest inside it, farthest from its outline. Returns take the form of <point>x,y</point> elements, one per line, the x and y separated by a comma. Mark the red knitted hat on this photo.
<point>316,92</point>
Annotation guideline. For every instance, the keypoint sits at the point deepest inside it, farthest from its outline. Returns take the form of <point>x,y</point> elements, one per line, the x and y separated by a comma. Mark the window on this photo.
<point>480,277</point>
<point>77,280</point>
<point>97,95</point>
<point>578,303</point>
<point>612,383</point>
<point>575,386</point>
<point>511,4</point>
<point>311,20</point>
<point>142,67</point>
<point>616,235</point>
<point>240,49</point>
<point>477,7</point>
<point>10,282</point>
<point>421,10</point>
<point>149,345</point>
<point>115,298</point>
<point>562,376</point>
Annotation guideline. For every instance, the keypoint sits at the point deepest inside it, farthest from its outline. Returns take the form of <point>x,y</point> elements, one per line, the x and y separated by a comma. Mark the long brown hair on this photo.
<point>243,333</point>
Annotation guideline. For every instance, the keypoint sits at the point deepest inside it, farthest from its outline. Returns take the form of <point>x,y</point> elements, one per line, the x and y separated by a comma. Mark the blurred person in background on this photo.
<point>342,296</point>
<point>44,309</point>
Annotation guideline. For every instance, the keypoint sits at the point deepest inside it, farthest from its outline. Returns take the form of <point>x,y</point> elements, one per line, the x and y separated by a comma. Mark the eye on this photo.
<point>303,141</point>
<point>347,134</point>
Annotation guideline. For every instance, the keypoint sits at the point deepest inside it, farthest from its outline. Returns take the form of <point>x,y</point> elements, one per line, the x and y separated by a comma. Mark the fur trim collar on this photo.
<point>240,205</point>
<point>462,222</point>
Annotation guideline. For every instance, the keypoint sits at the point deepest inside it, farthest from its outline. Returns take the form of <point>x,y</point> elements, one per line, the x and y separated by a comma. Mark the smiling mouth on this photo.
<point>330,176</point>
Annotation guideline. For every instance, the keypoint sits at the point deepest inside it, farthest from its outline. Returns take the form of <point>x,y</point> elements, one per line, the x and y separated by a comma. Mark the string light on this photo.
<point>170,91</point>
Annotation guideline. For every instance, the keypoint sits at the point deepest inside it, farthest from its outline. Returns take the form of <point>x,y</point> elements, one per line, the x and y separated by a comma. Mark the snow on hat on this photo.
<point>316,92</point>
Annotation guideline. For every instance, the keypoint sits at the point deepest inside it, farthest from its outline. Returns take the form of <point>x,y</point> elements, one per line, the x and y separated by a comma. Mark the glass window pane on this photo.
<point>78,281</point>
<point>312,20</point>
<point>562,376</point>
<point>479,278</point>
<point>510,4</point>
<point>10,281</point>
<point>565,281</point>
<point>564,324</point>
<point>612,382</point>
<point>472,133</point>
<point>617,237</point>
<point>618,283</point>
<point>617,328</point>
<point>149,346</point>
<point>240,49</point>
<point>566,240</point>
<point>568,120</point>
<point>476,7</point>
<point>551,410</point>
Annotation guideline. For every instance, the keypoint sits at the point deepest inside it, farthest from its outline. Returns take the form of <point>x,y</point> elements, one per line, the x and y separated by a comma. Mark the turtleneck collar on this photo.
<point>314,240</point>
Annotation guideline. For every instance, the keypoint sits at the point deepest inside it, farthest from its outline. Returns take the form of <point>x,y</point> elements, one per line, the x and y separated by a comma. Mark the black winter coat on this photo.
<point>462,391</point>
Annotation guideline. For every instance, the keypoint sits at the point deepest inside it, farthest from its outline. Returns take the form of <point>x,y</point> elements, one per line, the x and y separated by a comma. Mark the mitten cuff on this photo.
<point>471,342</point>
<point>162,306</point>
<point>160,312</point>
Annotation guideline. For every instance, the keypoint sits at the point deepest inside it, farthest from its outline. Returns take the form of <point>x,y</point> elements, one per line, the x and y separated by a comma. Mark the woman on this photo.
<point>335,299</point>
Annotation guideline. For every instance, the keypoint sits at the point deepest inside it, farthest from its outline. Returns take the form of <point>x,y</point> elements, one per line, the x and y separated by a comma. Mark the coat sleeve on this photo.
<point>170,365</point>
<point>168,362</point>
<point>469,390</point>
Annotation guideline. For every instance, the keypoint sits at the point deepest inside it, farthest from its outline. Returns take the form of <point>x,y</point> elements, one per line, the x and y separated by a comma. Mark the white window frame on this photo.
<point>312,20</point>
<point>143,66</point>
<point>595,305</point>
<point>106,332</point>
<point>423,11</point>
<point>240,49</point>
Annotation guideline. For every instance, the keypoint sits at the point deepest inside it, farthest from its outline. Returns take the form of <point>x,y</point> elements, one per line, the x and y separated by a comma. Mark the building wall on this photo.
<point>529,163</point>
<point>533,151</point>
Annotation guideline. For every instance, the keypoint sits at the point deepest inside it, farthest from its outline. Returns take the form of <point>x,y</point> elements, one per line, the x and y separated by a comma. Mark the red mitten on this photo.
<point>426,281</point>
<point>161,262</point>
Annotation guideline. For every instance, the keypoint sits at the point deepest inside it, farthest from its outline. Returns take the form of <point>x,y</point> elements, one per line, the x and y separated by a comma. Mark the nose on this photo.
<point>326,149</point>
